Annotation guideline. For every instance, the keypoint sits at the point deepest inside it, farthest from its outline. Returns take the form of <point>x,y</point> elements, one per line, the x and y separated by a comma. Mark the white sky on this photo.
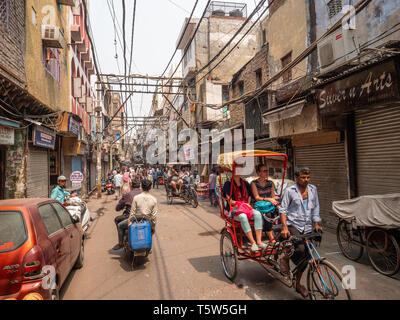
<point>157,27</point>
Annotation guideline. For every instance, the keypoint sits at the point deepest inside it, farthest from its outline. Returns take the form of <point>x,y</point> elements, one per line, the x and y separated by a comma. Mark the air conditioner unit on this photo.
<point>66,2</point>
<point>77,88</point>
<point>53,36</point>
<point>82,99</point>
<point>337,49</point>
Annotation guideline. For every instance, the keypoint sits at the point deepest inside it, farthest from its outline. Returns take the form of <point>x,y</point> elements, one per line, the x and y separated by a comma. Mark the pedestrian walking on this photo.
<point>117,184</point>
<point>212,181</point>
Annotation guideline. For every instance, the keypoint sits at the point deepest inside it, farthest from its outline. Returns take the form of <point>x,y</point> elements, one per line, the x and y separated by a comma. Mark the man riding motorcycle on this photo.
<point>143,204</point>
<point>59,192</point>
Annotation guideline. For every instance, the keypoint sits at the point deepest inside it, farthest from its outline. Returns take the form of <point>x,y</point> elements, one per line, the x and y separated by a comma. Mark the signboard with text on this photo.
<point>374,85</point>
<point>6,135</point>
<point>76,179</point>
<point>43,137</point>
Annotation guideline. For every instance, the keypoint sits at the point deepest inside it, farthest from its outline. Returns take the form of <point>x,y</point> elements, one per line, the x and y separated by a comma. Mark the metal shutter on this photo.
<point>37,173</point>
<point>378,150</point>
<point>328,173</point>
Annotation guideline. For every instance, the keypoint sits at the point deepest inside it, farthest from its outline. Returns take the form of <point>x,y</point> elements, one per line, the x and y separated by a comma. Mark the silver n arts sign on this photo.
<point>378,84</point>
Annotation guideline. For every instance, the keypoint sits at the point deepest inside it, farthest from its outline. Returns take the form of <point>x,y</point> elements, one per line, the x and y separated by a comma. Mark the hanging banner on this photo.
<point>43,137</point>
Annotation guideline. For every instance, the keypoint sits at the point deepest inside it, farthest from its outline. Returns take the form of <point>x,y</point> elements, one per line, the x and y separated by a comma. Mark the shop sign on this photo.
<point>76,179</point>
<point>189,152</point>
<point>6,135</point>
<point>375,85</point>
<point>73,126</point>
<point>43,137</point>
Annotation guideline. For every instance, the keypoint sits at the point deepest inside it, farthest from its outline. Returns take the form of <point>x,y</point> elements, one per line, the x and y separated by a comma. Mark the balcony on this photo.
<point>76,30</point>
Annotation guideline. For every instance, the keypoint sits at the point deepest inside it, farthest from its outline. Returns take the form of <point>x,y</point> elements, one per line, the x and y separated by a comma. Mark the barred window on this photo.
<point>52,62</point>
<point>4,12</point>
<point>334,7</point>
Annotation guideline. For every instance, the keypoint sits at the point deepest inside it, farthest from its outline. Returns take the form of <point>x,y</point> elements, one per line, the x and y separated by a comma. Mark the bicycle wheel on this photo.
<point>193,200</point>
<point>327,283</point>
<point>346,235</point>
<point>383,252</point>
<point>228,255</point>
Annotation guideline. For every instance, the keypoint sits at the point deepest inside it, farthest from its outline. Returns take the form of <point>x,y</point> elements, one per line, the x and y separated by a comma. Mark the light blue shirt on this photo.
<point>299,214</point>
<point>118,180</point>
<point>59,194</point>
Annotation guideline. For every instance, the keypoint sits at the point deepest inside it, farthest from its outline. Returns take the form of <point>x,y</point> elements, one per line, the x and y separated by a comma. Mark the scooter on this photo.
<point>137,240</point>
<point>78,208</point>
<point>110,187</point>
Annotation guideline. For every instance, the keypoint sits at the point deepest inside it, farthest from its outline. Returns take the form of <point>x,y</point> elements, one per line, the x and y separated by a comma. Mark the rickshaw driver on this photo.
<point>299,210</point>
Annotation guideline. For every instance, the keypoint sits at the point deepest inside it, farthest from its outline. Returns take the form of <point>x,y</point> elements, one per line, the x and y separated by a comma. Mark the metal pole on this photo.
<point>98,138</point>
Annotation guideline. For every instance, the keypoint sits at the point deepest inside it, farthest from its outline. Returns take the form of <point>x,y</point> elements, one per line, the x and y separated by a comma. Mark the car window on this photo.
<point>50,218</point>
<point>64,215</point>
<point>12,230</point>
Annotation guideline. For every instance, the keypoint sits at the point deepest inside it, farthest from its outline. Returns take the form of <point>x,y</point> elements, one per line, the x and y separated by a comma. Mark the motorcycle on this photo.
<point>137,240</point>
<point>78,208</point>
<point>103,186</point>
<point>110,187</point>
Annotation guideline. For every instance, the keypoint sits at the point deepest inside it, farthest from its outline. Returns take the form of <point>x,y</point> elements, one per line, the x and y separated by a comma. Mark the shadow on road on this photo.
<point>126,261</point>
<point>66,284</point>
<point>210,265</point>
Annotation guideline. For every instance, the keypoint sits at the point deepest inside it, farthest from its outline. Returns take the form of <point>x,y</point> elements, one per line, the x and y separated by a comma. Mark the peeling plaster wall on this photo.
<point>287,31</point>
<point>15,167</point>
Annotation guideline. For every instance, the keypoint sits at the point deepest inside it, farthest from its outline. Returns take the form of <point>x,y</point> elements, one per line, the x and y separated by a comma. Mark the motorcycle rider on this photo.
<point>59,192</point>
<point>143,204</point>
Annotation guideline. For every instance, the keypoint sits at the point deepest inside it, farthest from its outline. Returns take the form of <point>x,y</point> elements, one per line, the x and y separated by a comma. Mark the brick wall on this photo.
<point>12,40</point>
<point>247,75</point>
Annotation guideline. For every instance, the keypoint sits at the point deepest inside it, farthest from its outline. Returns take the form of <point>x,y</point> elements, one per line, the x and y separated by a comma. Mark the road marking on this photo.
<point>337,252</point>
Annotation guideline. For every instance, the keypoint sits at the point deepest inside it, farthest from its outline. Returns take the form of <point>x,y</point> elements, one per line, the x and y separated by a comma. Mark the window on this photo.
<point>4,13</point>
<point>259,78</point>
<point>287,76</point>
<point>51,61</point>
<point>225,93</point>
<point>12,230</point>
<point>334,7</point>
<point>64,215</point>
<point>264,36</point>
<point>50,219</point>
<point>241,87</point>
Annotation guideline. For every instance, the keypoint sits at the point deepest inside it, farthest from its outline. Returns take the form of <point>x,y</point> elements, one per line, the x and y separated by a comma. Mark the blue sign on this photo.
<point>43,137</point>
<point>73,126</point>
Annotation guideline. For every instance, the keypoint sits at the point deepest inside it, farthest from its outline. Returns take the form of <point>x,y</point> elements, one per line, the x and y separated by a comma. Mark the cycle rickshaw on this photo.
<point>188,192</point>
<point>324,281</point>
<point>371,223</point>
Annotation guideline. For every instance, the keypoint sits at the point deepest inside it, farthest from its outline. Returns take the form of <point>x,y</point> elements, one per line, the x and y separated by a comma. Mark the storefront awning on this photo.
<point>287,112</point>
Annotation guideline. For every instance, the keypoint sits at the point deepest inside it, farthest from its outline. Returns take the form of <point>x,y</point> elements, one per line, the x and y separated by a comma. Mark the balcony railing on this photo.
<point>227,9</point>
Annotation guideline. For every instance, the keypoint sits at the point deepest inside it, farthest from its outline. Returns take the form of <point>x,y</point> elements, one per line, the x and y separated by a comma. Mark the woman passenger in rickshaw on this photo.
<point>241,191</point>
<point>263,190</point>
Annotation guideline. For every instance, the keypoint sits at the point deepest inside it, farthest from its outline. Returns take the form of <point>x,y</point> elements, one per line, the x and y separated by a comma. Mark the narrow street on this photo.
<point>185,263</point>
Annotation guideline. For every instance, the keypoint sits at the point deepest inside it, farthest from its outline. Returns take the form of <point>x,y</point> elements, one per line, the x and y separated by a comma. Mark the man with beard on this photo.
<point>299,210</point>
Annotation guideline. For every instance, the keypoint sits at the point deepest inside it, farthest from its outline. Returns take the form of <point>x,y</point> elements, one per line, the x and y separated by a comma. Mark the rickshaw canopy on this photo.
<point>275,159</point>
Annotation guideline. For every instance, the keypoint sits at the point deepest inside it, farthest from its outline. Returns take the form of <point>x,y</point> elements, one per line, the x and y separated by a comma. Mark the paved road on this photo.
<point>185,263</point>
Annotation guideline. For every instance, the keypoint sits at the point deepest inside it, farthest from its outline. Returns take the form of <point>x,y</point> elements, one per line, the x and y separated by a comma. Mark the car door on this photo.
<point>72,229</point>
<point>59,238</point>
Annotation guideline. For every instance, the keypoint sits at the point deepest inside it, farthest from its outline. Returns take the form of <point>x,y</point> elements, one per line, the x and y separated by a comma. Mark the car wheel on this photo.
<point>79,261</point>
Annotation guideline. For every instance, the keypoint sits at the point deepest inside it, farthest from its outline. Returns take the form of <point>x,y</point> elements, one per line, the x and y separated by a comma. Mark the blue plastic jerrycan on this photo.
<point>140,235</point>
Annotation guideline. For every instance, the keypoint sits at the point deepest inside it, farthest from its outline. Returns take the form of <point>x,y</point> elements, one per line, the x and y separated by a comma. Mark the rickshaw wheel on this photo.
<point>345,234</point>
<point>383,252</point>
<point>228,255</point>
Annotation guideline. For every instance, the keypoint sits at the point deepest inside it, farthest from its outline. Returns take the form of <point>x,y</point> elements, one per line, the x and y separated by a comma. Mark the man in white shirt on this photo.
<point>117,184</point>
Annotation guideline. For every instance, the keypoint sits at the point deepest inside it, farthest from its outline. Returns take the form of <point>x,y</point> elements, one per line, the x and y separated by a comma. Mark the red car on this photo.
<point>35,233</point>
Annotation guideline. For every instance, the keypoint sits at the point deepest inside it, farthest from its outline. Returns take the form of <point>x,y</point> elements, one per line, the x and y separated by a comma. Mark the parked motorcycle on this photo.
<point>137,240</point>
<point>78,209</point>
<point>103,186</point>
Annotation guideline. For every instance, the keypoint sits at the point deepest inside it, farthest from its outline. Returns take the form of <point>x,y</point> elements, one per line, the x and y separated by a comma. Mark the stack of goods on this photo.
<point>202,191</point>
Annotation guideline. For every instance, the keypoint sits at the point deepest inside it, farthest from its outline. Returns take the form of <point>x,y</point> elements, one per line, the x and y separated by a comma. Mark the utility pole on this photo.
<point>98,138</point>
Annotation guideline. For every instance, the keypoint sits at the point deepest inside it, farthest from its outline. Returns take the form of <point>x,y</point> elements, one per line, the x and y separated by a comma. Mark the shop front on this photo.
<point>371,101</point>
<point>41,141</point>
